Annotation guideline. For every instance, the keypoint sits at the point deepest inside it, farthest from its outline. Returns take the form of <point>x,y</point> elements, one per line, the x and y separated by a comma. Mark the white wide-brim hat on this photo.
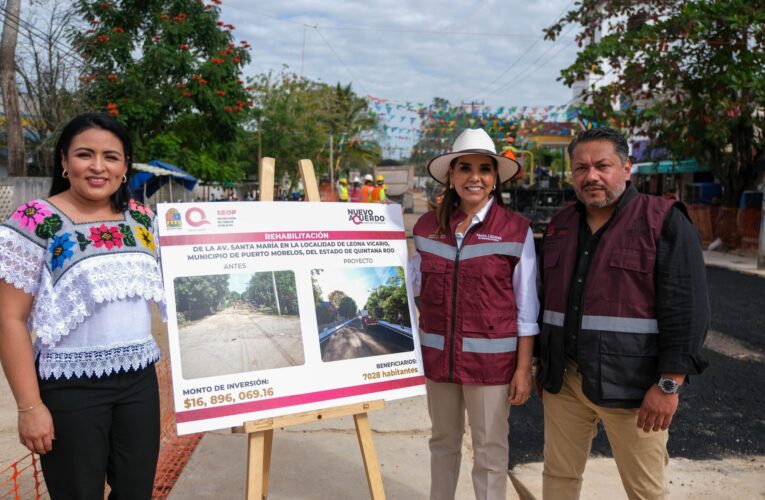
<point>472,141</point>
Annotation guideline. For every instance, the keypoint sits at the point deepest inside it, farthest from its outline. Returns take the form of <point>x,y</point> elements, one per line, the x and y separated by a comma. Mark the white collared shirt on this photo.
<point>524,277</point>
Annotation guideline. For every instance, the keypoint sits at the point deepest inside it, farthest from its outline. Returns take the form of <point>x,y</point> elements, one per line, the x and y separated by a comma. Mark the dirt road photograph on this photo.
<point>235,323</point>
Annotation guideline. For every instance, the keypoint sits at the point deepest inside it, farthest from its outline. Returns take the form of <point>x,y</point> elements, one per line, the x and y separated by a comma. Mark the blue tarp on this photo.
<point>149,180</point>
<point>669,167</point>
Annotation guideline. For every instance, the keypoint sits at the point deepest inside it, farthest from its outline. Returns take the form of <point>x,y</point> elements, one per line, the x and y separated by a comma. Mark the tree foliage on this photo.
<point>389,302</point>
<point>261,291</point>
<point>294,118</point>
<point>170,70</point>
<point>689,74</point>
<point>199,296</point>
<point>348,307</point>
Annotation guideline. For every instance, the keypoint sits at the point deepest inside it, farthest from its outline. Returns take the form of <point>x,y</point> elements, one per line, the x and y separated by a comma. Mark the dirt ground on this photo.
<point>239,339</point>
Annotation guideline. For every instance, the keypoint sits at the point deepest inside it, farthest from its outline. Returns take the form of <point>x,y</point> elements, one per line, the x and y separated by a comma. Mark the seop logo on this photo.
<point>196,217</point>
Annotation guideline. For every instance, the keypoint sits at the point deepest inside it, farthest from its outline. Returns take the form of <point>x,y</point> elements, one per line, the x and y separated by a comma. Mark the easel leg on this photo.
<point>258,464</point>
<point>371,465</point>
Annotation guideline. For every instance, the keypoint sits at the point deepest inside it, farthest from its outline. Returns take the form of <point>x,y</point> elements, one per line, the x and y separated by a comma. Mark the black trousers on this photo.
<point>105,429</point>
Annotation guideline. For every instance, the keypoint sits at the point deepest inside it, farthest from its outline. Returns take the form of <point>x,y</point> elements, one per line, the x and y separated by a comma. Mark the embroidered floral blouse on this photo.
<point>93,285</point>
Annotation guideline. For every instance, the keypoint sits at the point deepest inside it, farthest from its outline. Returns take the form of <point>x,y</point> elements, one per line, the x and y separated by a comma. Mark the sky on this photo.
<point>413,50</point>
<point>356,282</point>
<point>489,52</point>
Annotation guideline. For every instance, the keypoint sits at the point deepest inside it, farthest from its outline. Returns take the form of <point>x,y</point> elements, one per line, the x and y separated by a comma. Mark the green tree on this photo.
<point>199,296</point>
<point>260,291</point>
<point>389,302</point>
<point>336,297</point>
<point>288,119</point>
<point>351,123</point>
<point>689,74</point>
<point>294,118</point>
<point>170,70</point>
<point>348,307</point>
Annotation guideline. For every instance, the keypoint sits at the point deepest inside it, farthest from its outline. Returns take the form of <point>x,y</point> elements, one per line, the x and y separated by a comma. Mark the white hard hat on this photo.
<point>369,177</point>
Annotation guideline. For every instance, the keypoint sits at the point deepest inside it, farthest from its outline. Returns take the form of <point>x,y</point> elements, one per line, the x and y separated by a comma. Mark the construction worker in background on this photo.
<point>355,190</point>
<point>343,189</point>
<point>378,193</point>
<point>366,189</point>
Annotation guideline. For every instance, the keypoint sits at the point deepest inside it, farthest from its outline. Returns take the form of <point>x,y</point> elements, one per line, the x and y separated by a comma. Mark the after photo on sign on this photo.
<point>361,311</point>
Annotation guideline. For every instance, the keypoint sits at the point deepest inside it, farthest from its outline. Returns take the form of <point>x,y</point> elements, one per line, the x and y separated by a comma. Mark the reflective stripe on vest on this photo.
<point>432,340</point>
<point>489,346</point>
<point>435,247</point>
<point>623,325</point>
<point>468,251</point>
<point>553,318</point>
<point>479,346</point>
<point>644,326</point>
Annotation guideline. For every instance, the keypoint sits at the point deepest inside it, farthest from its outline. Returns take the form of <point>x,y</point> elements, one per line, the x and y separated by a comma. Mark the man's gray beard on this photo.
<point>612,196</point>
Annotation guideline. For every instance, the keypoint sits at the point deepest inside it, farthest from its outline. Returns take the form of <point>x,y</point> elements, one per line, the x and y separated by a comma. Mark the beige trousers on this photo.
<point>571,424</point>
<point>487,411</point>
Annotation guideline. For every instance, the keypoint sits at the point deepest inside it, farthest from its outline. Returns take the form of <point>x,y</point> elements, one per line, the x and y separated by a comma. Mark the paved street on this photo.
<point>722,413</point>
<point>353,341</point>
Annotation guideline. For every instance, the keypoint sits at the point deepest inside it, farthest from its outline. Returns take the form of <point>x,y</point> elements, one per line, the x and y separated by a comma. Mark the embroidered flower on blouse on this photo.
<point>139,207</point>
<point>60,250</point>
<point>108,237</point>
<point>31,214</point>
<point>145,237</point>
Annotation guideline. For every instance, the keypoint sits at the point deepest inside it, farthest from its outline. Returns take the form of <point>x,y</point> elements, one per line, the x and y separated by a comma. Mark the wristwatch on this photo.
<point>668,385</point>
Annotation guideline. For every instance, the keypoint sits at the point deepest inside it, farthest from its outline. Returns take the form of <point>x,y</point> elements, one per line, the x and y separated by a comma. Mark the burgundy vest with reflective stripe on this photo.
<point>618,335</point>
<point>468,316</point>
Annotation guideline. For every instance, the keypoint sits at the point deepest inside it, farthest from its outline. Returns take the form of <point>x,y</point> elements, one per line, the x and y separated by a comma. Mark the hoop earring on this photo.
<point>65,174</point>
<point>124,178</point>
<point>494,187</point>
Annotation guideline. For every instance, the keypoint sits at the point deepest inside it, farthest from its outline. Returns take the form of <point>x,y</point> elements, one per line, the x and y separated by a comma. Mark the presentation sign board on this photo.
<point>281,307</point>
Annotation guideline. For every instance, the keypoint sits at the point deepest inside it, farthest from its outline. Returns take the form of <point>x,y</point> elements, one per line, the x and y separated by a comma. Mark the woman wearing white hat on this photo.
<point>476,267</point>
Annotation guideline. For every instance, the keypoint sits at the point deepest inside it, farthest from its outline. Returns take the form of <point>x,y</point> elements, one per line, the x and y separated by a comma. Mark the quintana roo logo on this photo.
<point>173,219</point>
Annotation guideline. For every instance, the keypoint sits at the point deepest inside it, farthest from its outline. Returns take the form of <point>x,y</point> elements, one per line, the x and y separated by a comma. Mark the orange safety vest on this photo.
<point>366,193</point>
<point>376,194</point>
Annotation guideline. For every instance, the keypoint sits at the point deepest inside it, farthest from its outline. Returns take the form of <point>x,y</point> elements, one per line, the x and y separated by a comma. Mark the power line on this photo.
<point>66,52</point>
<point>528,50</point>
<point>361,84</point>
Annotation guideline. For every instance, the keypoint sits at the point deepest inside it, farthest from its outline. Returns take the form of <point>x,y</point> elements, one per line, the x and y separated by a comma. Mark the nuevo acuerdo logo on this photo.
<point>364,216</point>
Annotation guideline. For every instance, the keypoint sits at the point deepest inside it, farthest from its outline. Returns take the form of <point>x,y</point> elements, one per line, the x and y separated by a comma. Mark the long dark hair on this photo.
<point>75,127</point>
<point>451,200</point>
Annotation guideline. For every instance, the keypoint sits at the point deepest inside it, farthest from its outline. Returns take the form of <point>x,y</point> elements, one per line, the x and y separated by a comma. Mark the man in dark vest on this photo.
<point>624,315</point>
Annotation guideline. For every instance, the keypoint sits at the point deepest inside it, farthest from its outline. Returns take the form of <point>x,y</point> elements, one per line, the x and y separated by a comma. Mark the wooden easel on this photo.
<point>261,432</point>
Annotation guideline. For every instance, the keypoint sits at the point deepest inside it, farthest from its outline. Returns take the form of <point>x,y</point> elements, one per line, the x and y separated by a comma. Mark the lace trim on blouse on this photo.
<point>98,279</point>
<point>19,261</point>
<point>97,361</point>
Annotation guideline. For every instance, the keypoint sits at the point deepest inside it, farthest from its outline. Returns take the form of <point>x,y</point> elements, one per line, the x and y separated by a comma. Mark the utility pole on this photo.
<point>331,163</point>
<point>473,106</point>
<point>17,165</point>
<point>761,249</point>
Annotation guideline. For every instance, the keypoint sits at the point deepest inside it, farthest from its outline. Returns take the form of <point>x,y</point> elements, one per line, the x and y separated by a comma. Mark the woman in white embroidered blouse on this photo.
<point>78,272</point>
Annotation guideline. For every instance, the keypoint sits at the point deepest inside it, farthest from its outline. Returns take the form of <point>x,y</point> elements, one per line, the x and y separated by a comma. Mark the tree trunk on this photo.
<point>17,165</point>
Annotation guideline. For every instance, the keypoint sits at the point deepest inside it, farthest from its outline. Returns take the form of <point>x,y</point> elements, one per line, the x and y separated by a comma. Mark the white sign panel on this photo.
<point>277,308</point>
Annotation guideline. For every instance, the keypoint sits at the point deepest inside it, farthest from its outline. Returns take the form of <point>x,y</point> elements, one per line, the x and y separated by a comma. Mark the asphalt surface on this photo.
<point>355,341</point>
<point>722,412</point>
